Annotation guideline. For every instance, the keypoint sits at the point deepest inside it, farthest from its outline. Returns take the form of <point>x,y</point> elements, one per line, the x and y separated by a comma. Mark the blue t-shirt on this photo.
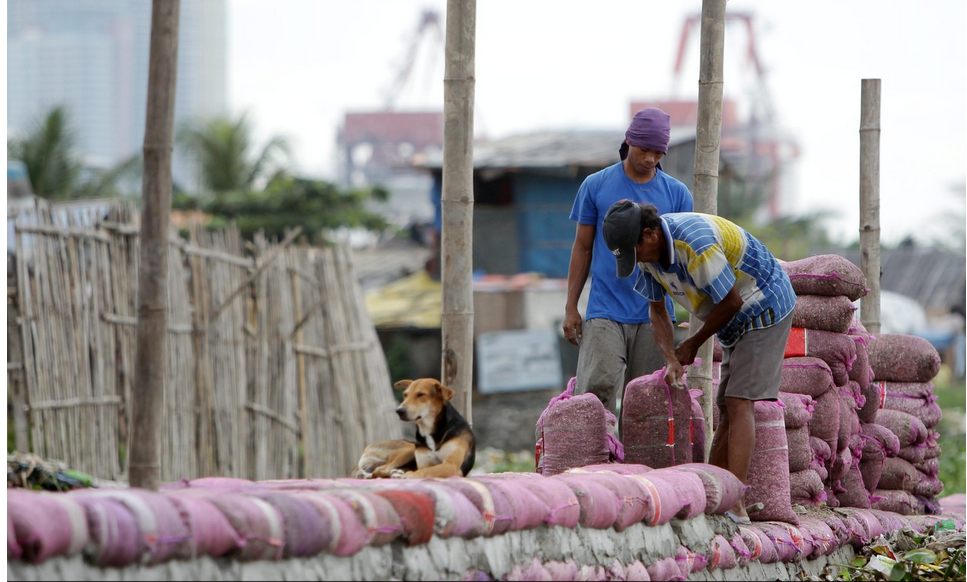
<point>610,297</point>
<point>708,257</point>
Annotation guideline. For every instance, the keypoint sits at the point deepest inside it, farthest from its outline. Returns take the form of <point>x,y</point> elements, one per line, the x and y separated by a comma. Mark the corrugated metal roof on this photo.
<point>933,277</point>
<point>551,150</point>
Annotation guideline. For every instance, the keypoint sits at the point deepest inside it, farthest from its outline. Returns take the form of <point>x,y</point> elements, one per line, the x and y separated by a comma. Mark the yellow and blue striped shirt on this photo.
<point>710,255</point>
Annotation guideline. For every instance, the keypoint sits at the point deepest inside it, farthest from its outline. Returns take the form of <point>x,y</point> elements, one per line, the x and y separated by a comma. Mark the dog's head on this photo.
<point>423,399</point>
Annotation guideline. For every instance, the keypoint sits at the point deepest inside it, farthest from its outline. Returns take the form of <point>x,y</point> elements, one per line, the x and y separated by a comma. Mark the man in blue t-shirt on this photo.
<point>615,337</point>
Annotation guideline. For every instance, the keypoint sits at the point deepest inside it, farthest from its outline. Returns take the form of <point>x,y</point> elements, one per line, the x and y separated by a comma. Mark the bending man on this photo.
<point>727,278</point>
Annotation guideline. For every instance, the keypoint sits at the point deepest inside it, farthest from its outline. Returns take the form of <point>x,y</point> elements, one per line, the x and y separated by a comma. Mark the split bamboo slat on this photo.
<point>274,367</point>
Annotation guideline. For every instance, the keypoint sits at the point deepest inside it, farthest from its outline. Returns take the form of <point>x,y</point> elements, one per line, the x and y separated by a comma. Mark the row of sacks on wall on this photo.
<point>275,520</point>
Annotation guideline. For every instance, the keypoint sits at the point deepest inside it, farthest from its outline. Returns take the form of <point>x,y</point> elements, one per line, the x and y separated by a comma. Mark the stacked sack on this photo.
<point>821,386</point>
<point>904,367</point>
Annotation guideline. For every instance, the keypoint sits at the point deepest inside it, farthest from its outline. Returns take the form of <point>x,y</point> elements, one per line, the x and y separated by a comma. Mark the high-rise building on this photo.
<point>91,56</point>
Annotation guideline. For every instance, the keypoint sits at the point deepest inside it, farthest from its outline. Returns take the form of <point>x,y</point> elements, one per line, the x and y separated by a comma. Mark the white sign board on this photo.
<point>509,361</point>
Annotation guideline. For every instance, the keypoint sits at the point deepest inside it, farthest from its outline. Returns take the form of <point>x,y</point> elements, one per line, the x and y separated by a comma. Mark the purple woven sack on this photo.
<point>825,421</point>
<point>788,540</point>
<point>838,350</point>
<point>854,492</point>
<point>824,541</point>
<point>665,569</point>
<point>562,504</point>
<point>115,539</point>
<point>574,433</point>
<point>898,474</point>
<point>41,525</point>
<point>259,524</point>
<point>598,504</point>
<point>634,502</point>
<point>721,555</point>
<point>901,357</point>
<point>806,488</point>
<point>914,398</point>
<point>656,422</point>
<point>690,486</point>
<point>798,409</point>
<point>307,532</point>
<point>833,313</point>
<point>800,451</point>
<point>478,495</point>
<point>908,429</point>
<point>759,544</point>
<point>664,501</point>
<point>805,375</point>
<point>860,372</point>
<point>525,509</point>
<point>769,470</point>
<point>211,533</point>
<point>826,274</point>
<point>723,489</point>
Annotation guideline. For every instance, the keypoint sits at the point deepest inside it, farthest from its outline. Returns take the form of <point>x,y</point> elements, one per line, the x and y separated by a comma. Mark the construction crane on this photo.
<point>764,112</point>
<point>428,27</point>
<point>757,145</point>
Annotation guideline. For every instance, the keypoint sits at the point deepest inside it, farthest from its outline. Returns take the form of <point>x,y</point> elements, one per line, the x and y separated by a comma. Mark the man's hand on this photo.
<point>572,327</point>
<point>673,375</point>
<point>686,351</point>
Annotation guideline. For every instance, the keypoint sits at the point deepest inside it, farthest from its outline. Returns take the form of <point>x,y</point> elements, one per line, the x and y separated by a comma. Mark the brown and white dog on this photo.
<point>444,447</point>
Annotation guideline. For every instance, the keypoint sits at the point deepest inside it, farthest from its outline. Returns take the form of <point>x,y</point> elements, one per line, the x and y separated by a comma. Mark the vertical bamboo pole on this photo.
<point>150,362</point>
<point>708,137</point>
<point>305,460</point>
<point>457,204</point>
<point>870,202</point>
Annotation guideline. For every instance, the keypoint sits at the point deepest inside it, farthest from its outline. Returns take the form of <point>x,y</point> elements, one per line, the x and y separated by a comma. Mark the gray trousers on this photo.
<point>612,354</point>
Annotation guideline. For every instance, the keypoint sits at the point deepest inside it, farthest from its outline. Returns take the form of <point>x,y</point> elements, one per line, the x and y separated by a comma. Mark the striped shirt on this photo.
<point>710,255</point>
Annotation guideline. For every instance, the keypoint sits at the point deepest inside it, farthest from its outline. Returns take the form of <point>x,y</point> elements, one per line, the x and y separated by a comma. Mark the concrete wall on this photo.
<point>455,558</point>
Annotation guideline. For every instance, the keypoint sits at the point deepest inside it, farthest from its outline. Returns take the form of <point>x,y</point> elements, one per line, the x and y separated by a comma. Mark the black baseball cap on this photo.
<point>621,229</point>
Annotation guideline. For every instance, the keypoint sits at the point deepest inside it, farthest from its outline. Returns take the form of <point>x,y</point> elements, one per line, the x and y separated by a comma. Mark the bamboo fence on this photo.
<point>274,369</point>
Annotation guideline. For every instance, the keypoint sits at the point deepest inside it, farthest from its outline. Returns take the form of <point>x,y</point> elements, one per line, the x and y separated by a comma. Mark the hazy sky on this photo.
<point>297,66</point>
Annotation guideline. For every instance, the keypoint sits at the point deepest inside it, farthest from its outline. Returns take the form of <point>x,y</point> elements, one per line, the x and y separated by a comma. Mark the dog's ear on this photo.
<point>402,384</point>
<point>446,392</point>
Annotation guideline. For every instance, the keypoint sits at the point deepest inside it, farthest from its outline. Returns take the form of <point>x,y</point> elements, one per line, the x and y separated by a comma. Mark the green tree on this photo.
<point>48,151</point>
<point>318,206</point>
<point>56,168</point>
<point>227,154</point>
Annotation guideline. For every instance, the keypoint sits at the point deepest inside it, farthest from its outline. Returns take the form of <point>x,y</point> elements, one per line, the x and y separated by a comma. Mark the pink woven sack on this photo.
<point>806,488</point>
<point>656,422</point>
<point>833,313</point>
<point>769,470</point>
<point>901,357</point>
<point>723,489</point>
<point>573,432</point>
<point>805,375</point>
<point>826,274</point>
<point>43,525</point>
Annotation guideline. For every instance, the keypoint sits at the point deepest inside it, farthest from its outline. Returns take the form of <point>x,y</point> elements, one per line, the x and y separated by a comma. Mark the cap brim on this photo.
<point>626,263</point>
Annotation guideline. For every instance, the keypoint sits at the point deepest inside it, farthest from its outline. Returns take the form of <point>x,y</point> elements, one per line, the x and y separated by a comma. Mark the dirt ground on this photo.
<point>507,420</point>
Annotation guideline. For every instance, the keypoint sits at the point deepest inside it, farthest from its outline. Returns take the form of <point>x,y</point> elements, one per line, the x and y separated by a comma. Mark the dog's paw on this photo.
<point>397,474</point>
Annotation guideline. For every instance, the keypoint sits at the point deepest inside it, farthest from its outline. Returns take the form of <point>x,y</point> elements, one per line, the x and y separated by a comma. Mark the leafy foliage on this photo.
<point>225,151</point>
<point>318,206</point>
<point>936,554</point>
<point>57,170</point>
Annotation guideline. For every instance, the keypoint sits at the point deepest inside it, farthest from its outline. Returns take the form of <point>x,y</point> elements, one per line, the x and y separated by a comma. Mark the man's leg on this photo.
<point>741,442</point>
<point>719,453</point>
<point>601,361</point>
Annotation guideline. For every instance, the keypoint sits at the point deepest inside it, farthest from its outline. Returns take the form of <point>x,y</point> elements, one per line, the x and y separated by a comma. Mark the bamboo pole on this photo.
<point>457,204</point>
<point>148,405</point>
<point>870,202</point>
<point>708,137</point>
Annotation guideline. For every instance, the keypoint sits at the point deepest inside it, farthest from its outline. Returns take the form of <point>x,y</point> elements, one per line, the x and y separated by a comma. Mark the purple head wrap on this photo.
<point>650,128</point>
